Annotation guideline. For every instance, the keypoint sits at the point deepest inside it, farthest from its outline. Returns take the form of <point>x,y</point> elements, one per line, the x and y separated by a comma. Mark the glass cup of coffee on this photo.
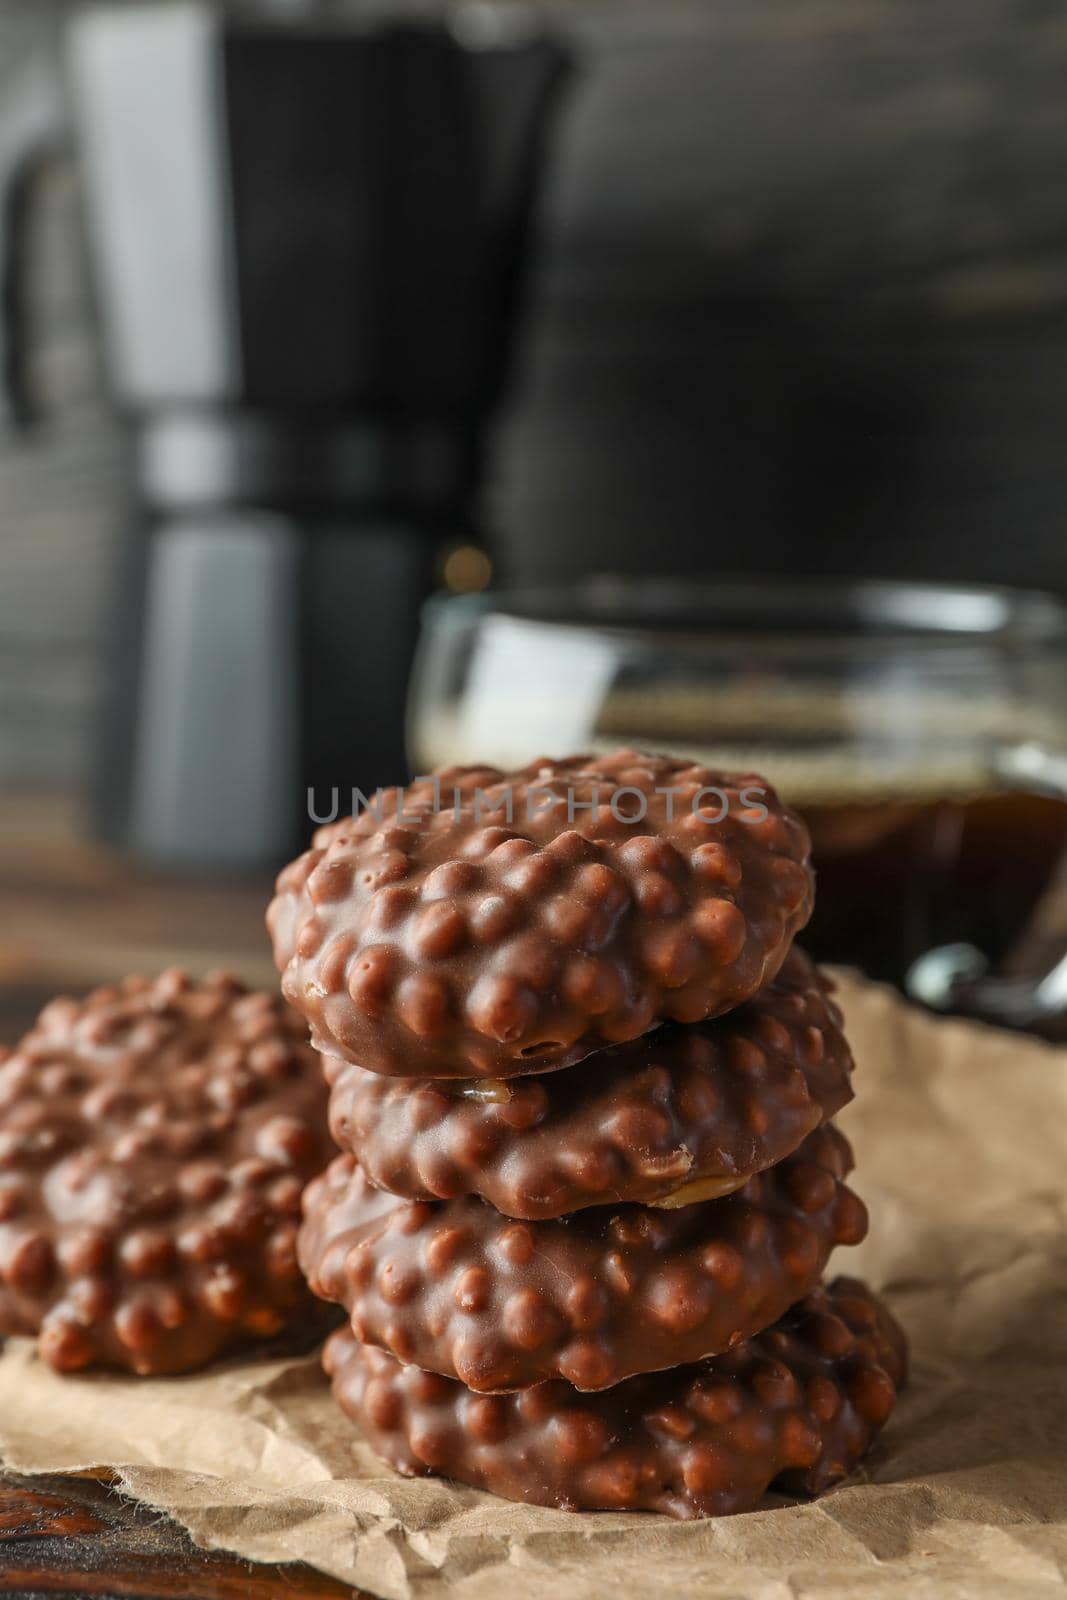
<point>921,729</point>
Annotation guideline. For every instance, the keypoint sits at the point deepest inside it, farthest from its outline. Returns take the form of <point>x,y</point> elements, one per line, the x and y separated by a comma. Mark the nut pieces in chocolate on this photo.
<point>449,944</point>
<point>589,1185</point>
<point>795,1407</point>
<point>584,1084</point>
<point>154,1142</point>
<point>678,1115</point>
<point>456,1288</point>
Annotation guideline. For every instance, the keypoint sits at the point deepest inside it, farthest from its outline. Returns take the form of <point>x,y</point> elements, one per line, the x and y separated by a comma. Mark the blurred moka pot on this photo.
<point>307,225</point>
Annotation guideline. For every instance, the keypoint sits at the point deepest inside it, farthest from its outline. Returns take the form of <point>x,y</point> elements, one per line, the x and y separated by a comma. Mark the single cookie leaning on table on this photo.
<point>527,919</point>
<point>676,1116</point>
<point>155,1140</point>
<point>794,1408</point>
<point>456,1288</point>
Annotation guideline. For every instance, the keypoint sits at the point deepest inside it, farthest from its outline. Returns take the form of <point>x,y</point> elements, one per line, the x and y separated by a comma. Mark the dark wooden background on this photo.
<point>801,305</point>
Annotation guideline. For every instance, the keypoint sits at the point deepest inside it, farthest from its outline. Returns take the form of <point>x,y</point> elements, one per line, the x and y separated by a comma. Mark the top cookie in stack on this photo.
<point>503,924</point>
<point>583,1083</point>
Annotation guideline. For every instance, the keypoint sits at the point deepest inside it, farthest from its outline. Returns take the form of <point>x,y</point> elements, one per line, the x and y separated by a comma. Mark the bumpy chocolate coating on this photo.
<point>796,1407</point>
<point>456,1288</point>
<point>678,1115</point>
<point>454,944</point>
<point>154,1143</point>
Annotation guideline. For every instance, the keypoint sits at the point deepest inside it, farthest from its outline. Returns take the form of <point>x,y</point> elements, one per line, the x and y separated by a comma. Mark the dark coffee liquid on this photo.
<point>917,841</point>
<point>898,877</point>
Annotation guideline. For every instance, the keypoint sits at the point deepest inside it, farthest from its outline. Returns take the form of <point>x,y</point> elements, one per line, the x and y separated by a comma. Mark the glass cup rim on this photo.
<point>876,611</point>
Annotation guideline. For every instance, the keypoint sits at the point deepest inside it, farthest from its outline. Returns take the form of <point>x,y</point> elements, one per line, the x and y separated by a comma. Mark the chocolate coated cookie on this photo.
<point>154,1142</point>
<point>795,1407</point>
<point>516,922</point>
<point>456,1288</point>
<point>678,1115</point>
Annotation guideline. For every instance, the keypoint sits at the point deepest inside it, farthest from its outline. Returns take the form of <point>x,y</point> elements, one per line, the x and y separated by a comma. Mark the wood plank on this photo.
<point>78,1537</point>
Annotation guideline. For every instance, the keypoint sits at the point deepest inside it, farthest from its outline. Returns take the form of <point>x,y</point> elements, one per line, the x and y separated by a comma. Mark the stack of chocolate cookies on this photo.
<point>583,1082</point>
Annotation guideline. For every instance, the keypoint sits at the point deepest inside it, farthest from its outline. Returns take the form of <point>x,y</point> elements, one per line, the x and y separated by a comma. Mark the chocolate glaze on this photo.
<point>679,1112</point>
<point>458,1289</point>
<point>154,1142</point>
<point>795,1407</point>
<point>452,944</point>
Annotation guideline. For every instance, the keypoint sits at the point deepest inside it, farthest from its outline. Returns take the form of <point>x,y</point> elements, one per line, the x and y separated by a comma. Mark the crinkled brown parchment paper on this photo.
<point>961,1144</point>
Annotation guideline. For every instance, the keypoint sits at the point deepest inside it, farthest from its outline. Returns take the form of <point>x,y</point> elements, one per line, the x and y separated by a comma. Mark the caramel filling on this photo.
<point>690,1194</point>
<point>489,1090</point>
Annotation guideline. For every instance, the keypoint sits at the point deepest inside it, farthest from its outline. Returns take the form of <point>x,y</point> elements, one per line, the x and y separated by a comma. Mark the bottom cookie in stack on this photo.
<point>796,1407</point>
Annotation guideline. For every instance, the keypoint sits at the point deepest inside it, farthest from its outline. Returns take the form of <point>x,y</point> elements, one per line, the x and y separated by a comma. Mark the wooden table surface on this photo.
<point>72,916</point>
<point>76,1536</point>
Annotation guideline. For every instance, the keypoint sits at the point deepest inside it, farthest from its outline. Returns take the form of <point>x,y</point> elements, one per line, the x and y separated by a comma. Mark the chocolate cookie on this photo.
<point>795,1407</point>
<point>679,1115</point>
<point>154,1142</point>
<point>456,1288</point>
<point>516,922</point>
